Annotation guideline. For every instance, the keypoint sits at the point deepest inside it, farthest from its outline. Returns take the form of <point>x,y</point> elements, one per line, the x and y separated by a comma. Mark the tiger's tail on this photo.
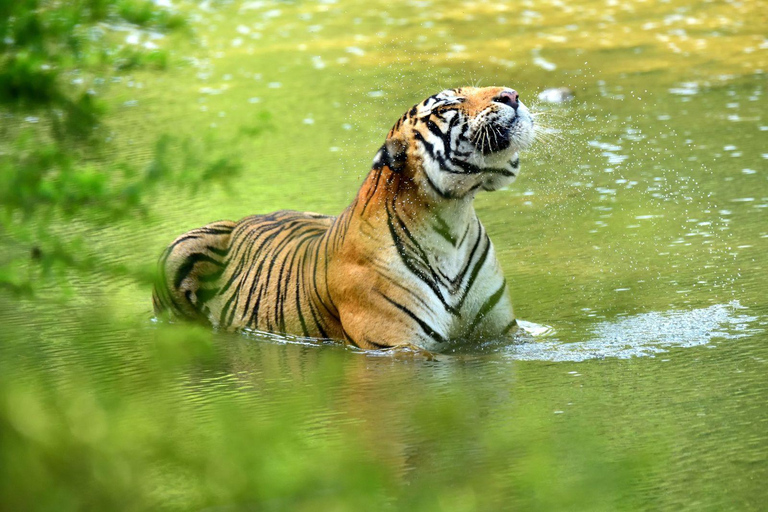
<point>189,271</point>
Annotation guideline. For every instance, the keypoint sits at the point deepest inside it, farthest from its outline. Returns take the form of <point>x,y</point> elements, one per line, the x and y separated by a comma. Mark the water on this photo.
<point>633,243</point>
<point>644,335</point>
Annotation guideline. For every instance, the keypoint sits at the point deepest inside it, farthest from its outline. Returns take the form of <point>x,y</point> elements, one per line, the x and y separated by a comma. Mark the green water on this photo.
<point>634,243</point>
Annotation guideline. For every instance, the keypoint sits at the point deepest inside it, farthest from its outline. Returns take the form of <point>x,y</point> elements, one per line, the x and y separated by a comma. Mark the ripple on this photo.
<point>685,89</point>
<point>544,64</point>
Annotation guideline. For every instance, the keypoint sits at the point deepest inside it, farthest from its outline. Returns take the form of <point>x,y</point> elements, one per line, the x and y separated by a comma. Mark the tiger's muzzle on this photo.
<point>504,126</point>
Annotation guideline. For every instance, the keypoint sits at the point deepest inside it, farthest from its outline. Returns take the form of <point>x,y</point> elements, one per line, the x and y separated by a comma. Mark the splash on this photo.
<point>643,335</point>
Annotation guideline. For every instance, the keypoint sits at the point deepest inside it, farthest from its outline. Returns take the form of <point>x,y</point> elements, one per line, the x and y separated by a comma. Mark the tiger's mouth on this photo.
<point>499,138</point>
<point>504,132</point>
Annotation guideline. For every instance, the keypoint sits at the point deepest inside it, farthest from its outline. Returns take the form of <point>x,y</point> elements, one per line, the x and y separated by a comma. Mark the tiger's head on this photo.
<point>459,141</point>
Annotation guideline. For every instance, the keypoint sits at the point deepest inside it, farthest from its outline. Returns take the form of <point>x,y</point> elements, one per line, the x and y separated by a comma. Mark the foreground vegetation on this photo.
<point>169,421</point>
<point>57,164</point>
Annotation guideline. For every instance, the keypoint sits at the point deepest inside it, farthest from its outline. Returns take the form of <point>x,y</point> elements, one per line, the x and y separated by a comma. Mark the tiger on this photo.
<point>407,264</point>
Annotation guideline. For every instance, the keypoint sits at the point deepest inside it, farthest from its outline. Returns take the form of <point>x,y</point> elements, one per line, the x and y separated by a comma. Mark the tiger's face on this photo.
<point>460,140</point>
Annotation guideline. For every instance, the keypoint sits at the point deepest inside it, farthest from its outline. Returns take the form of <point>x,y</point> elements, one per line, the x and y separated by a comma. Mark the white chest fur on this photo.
<point>460,287</point>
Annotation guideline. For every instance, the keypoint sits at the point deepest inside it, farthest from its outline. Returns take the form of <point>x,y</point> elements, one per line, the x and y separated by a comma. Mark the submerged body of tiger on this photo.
<point>407,263</point>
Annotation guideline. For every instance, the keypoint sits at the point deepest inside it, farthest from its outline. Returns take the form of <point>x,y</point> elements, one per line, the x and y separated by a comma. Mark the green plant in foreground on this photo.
<point>45,177</point>
<point>41,40</point>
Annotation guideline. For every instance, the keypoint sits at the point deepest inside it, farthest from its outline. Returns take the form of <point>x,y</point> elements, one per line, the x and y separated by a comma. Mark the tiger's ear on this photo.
<point>392,154</point>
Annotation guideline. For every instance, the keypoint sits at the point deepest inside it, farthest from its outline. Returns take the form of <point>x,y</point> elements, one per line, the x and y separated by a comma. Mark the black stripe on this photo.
<point>429,331</point>
<point>214,231</point>
<point>444,230</point>
<point>372,190</point>
<point>212,277</point>
<point>427,145</point>
<point>487,306</point>
<point>299,289</point>
<point>249,240</point>
<point>464,236</point>
<point>404,288</point>
<point>333,312</point>
<point>509,327</point>
<point>445,137</point>
<point>435,130</point>
<point>217,251</point>
<point>349,338</point>
<point>271,256</point>
<point>376,346</point>
<point>446,165</point>
<point>457,281</point>
<point>228,310</point>
<point>184,238</point>
<point>189,263</point>
<point>422,271</point>
<point>294,249</point>
<point>323,334</point>
<point>205,294</point>
<point>473,169</point>
<point>444,195</point>
<point>475,270</point>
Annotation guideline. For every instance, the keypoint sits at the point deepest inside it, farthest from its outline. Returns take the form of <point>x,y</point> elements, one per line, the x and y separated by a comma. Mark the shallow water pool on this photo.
<point>634,244</point>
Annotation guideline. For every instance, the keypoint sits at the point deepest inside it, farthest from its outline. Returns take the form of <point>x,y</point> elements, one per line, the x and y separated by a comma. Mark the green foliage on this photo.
<point>41,39</point>
<point>42,183</point>
<point>45,181</point>
<point>144,12</point>
<point>45,176</point>
<point>129,58</point>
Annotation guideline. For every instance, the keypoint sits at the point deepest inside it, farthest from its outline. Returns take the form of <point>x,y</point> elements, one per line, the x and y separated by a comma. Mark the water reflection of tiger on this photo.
<point>407,263</point>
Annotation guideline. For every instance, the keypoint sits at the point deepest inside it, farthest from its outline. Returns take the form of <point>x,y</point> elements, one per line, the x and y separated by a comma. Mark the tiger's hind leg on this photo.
<point>189,269</point>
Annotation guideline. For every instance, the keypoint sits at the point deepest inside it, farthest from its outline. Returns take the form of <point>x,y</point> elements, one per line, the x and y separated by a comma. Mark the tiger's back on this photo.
<point>259,273</point>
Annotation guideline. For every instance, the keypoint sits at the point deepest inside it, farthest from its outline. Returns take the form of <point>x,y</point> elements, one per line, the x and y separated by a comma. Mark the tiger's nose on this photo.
<point>508,97</point>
